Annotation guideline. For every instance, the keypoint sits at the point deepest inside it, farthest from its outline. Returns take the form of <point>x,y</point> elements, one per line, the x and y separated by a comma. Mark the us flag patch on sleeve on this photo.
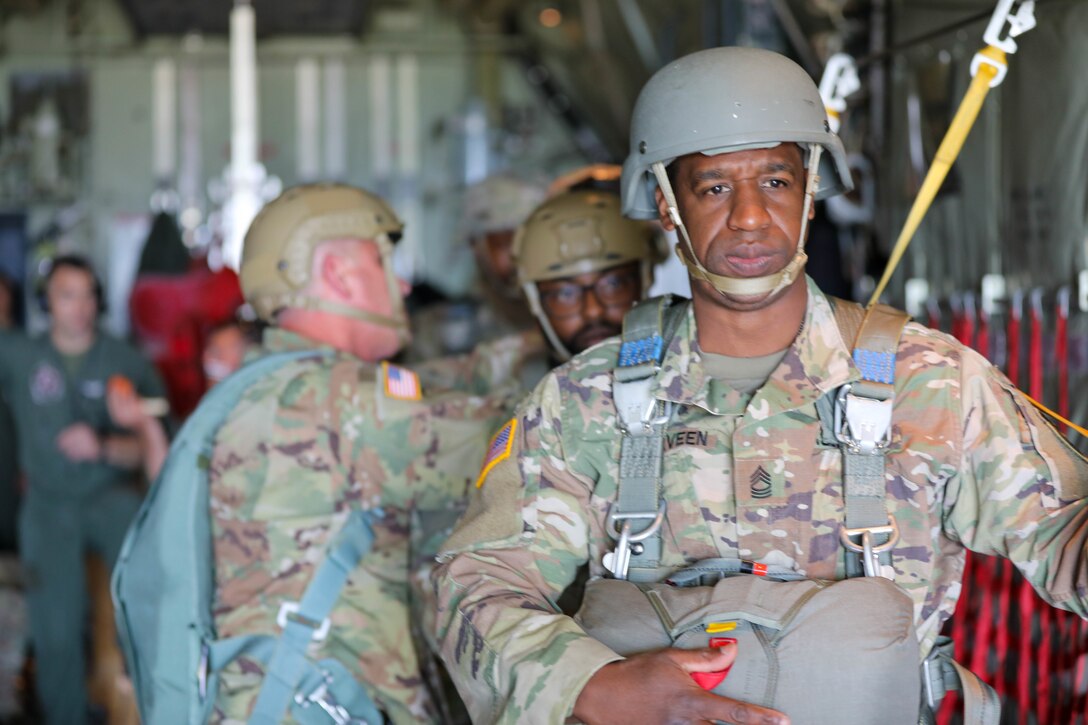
<point>498,449</point>
<point>400,383</point>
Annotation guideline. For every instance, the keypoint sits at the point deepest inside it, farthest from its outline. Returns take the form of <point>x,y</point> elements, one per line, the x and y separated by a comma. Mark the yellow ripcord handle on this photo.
<point>942,162</point>
<point>1054,415</point>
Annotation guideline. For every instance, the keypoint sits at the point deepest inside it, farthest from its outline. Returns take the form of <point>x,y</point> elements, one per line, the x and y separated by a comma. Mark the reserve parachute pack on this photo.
<point>163,590</point>
<point>842,652</point>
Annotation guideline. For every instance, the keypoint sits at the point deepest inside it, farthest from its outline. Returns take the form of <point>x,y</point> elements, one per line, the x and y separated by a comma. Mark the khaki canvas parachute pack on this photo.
<point>163,590</point>
<point>841,652</point>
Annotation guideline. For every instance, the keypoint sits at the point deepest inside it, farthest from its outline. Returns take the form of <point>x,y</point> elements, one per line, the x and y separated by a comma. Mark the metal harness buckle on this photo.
<point>618,561</point>
<point>863,424</point>
<point>323,698</point>
<point>289,613</point>
<point>870,553</point>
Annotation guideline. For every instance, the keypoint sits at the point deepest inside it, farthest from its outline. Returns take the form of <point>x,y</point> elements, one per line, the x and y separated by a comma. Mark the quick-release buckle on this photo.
<point>618,561</point>
<point>323,698</point>
<point>870,552</point>
<point>862,424</point>
<point>289,613</point>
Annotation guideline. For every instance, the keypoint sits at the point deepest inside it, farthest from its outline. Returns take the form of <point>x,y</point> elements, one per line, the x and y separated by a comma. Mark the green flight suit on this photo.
<point>68,507</point>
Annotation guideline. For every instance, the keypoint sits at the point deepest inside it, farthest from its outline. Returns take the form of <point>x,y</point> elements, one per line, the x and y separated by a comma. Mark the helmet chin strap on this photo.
<point>769,285</point>
<point>398,320</point>
<point>532,294</point>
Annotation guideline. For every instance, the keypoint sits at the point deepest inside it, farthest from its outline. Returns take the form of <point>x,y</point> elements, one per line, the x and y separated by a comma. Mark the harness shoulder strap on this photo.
<point>862,425</point>
<point>307,621</point>
<point>636,516</point>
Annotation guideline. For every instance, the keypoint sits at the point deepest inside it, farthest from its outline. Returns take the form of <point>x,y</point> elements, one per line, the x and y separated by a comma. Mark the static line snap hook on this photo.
<point>840,79</point>
<point>1018,23</point>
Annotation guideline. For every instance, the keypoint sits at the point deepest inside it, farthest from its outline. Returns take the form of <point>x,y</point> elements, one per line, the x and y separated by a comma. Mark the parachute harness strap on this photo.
<point>770,284</point>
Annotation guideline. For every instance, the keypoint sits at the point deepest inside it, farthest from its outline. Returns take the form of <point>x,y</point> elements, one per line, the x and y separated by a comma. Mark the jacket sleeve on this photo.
<point>1022,489</point>
<point>490,366</point>
<point>512,655</point>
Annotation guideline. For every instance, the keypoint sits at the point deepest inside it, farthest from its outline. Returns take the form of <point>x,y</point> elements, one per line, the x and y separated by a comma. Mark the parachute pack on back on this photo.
<point>163,589</point>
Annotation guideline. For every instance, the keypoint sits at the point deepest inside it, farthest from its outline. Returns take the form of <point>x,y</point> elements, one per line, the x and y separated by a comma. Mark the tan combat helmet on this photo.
<point>576,233</point>
<point>280,243</point>
<point>722,100</point>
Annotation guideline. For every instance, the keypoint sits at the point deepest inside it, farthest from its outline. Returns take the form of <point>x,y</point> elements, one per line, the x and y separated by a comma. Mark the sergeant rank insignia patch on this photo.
<point>400,383</point>
<point>498,449</point>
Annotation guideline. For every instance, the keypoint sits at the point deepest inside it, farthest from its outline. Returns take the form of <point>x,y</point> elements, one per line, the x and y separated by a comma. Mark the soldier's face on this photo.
<point>223,353</point>
<point>588,308</point>
<point>743,213</point>
<point>494,256</point>
<point>364,277</point>
<point>73,306</point>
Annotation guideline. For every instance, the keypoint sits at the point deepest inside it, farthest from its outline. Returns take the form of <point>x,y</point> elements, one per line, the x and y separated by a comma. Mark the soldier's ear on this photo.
<point>663,210</point>
<point>333,272</point>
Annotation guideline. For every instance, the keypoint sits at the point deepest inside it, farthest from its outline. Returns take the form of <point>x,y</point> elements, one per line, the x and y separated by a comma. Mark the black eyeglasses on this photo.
<point>565,298</point>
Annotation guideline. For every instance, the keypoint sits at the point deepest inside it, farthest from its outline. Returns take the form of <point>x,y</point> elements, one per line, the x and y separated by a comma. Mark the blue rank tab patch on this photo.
<point>876,367</point>
<point>498,449</point>
<point>643,350</point>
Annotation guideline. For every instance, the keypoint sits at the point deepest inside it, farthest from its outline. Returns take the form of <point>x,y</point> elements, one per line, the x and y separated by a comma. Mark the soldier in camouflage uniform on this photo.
<point>508,344</point>
<point>327,434</point>
<point>719,147</point>
<point>582,266</point>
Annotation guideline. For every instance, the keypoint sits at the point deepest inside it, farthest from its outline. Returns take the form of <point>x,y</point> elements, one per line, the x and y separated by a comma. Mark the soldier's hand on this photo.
<point>656,687</point>
<point>78,442</point>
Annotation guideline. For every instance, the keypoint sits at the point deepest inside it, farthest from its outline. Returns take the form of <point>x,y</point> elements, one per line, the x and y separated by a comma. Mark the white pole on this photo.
<point>244,174</point>
<point>408,164</point>
<point>381,122</point>
<point>164,121</point>
<point>307,121</point>
<point>336,148</point>
<point>190,167</point>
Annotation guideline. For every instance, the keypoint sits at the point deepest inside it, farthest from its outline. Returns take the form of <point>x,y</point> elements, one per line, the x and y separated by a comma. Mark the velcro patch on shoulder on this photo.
<point>498,449</point>
<point>400,383</point>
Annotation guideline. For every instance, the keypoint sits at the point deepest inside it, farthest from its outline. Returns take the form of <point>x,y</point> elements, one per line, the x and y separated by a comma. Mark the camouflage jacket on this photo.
<point>971,464</point>
<point>305,446</point>
<point>520,359</point>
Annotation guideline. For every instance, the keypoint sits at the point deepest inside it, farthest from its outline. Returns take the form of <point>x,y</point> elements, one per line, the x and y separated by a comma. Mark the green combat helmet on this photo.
<point>280,244</point>
<point>573,234</point>
<point>722,100</point>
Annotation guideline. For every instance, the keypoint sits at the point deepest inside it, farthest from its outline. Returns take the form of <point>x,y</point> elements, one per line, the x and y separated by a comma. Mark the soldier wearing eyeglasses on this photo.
<point>582,265</point>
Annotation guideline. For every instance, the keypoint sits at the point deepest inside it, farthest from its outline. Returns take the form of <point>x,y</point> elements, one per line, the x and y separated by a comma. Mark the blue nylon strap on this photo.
<point>341,687</point>
<point>876,367</point>
<point>289,664</point>
<point>224,651</point>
